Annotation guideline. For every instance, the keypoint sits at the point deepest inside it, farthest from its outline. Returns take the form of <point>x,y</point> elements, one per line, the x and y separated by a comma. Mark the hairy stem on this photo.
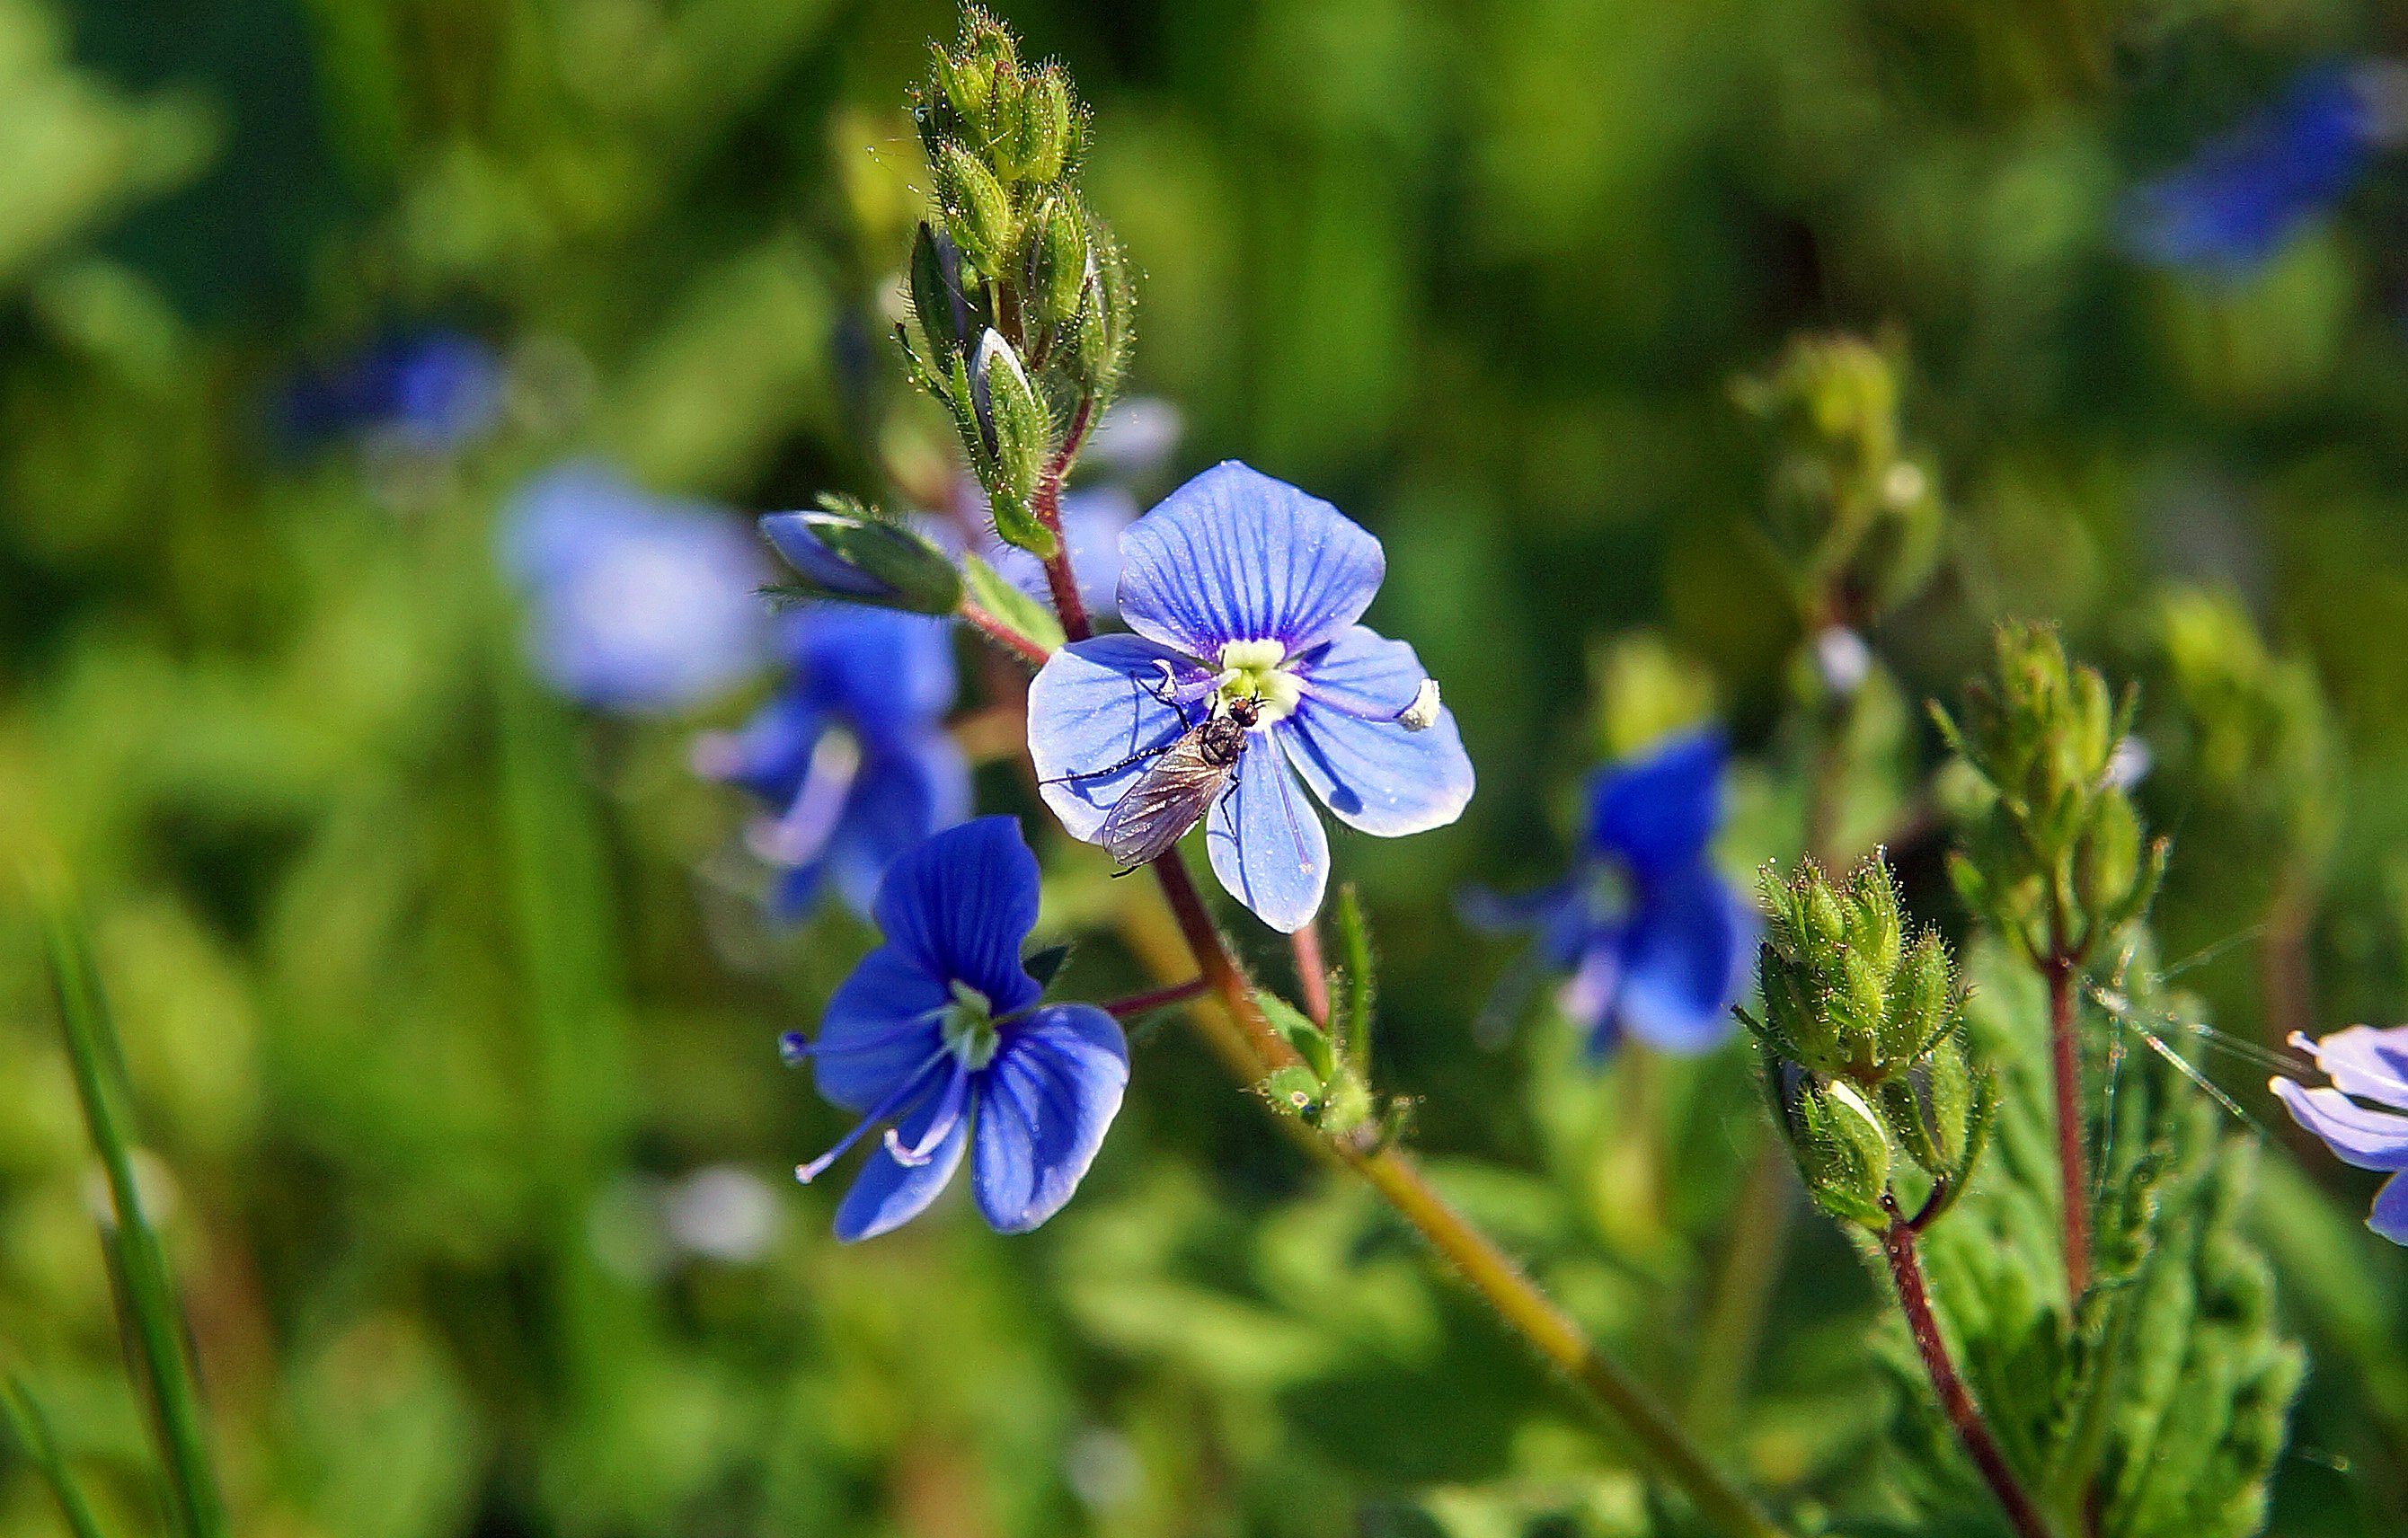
<point>2065,1063</point>
<point>1002,634</point>
<point>1158,998</point>
<point>1060,581</point>
<point>1955,1402</point>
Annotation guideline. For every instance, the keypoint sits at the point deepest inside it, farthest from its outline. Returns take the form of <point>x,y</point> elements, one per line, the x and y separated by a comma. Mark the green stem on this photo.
<point>32,1428</point>
<point>149,1289</point>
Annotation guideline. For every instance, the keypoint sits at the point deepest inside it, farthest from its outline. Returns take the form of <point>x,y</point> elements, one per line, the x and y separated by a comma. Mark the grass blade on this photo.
<point>30,1426</point>
<point>147,1291</point>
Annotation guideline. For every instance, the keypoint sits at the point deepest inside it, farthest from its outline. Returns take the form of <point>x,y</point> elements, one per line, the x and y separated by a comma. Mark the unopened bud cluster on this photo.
<point>2052,853</point>
<point>1856,516</point>
<point>1866,1058</point>
<point>1021,298</point>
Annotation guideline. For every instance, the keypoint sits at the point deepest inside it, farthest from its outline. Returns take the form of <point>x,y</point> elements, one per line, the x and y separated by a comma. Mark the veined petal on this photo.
<point>887,1194</point>
<point>880,1025</point>
<point>2363,1061</point>
<point>1685,953</point>
<point>903,796</point>
<point>1044,1104</point>
<point>1266,843</point>
<point>2371,1140</point>
<point>2390,1218</point>
<point>1376,775</point>
<point>1234,555</point>
<point>1096,720</point>
<point>959,906</point>
<point>1362,672</point>
<point>1657,812</point>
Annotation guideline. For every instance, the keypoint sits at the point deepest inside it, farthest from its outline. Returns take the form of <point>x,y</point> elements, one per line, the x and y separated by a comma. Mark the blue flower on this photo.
<point>1243,589</point>
<point>1652,940</point>
<point>432,391</point>
<point>2244,194</point>
<point>940,1037</point>
<point>851,752</point>
<point>635,603</point>
<point>2364,1064</point>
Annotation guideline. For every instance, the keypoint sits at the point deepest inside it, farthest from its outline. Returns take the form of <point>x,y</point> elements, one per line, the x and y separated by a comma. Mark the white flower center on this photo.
<point>1257,671</point>
<point>968,1027</point>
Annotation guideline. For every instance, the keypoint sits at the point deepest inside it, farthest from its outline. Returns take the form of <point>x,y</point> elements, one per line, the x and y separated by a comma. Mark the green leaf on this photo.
<point>30,1426</point>
<point>1353,983</point>
<point>1047,964</point>
<point>986,588</point>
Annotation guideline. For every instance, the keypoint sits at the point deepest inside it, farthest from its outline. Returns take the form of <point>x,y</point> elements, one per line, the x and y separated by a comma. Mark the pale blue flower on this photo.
<point>2364,1065</point>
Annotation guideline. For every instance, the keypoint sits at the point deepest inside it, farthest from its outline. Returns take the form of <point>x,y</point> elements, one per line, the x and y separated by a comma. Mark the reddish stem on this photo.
<point>1312,972</point>
<point>1047,504</point>
<point>1955,1402</point>
<point>2065,1062</point>
<point>1002,634</point>
<point>1219,969</point>
<point>1160,998</point>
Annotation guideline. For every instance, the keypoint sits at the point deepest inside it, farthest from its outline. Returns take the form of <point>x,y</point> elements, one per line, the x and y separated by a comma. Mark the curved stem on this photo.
<point>1254,1048</point>
<point>1160,998</point>
<point>2065,1065</point>
<point>1002,634</point>
<point>1955,1400</point>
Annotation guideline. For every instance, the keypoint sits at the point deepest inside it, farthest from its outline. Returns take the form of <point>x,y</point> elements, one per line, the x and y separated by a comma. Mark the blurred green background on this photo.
<point>453,1027</point>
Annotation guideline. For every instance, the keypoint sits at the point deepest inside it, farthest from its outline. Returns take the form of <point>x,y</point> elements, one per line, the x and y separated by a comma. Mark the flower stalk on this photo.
<point>1899,1249</point>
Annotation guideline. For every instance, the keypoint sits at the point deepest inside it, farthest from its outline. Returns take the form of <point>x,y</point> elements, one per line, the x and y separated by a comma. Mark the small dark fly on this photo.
<point>1186,776</point>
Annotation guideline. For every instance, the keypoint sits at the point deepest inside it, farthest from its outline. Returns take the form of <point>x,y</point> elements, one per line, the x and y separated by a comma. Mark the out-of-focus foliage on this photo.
<point>450,1010</point>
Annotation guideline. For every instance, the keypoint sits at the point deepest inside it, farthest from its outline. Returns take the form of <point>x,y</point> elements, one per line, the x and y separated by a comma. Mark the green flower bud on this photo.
<point>1843,992</point>
<point>1923,1000</point>
<point>1057,262</point>
<point>2107,861</point>
<point>1841,1148</point>
<point>1015,433</point>
<point>976,210</point>
<point>1034,136</point>
<point>939,305</point>
<point>1930,1108</point>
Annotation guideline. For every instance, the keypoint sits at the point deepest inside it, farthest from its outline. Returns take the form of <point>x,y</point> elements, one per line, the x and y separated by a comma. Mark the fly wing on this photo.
<point>1169,798</point>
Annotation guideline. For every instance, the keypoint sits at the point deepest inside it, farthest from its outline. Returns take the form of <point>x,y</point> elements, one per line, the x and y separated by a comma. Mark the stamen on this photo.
<point>941,1126</point>
<point>883,1110</point>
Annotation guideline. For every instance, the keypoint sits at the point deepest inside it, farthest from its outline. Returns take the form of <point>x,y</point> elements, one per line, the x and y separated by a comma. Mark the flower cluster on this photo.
<point>1652,940</point>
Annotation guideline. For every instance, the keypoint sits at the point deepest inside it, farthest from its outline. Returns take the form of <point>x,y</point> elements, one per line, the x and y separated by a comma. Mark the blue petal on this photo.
<point>902,798</point>
<point>2244,194</point>
<point>1685,954</point>
<point>1234,555</point>
<point>880,1027</point>
<point>888,673</point>
<point>1092,706</point>
<point>1511,913</point>
<point>789,534</point>
<point>1266,841</point>
<point>1345,740</point>
<point>2390,1218</point>
<point>1043,1106</point>
<point>768,753</point>
<point>960,905</point>
<point>2371,1140</point>
<point>2363,1061</point>
<point>1657,812</point>
<point>887,1194</point>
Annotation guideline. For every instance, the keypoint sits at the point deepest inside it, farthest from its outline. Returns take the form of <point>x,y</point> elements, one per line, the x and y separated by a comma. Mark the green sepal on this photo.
<point>986,588</point>
<point>1295,1091</point>
<point>918,576</point>
<point>1310,1042</point>
<point>1047,964</point>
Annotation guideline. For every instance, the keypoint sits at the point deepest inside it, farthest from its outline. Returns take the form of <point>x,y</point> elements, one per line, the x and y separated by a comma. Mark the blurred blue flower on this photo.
<point>1652,940</point>
<point>2364,1064</point>
<point>939,1036</point>
<point>432,391</point>
<point>1241,588</point>
<point>2243,194</point>
<point>634,603</point>
<point>851,752</point>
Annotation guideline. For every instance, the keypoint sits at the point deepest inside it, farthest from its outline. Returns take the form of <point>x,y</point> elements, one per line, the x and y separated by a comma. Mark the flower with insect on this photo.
<point>1247,670</point>
<point>940,1035</point>
<point>635,602</point>
<point>2364,1065</point>
<point>852,754</point>
<point>1652,942</point>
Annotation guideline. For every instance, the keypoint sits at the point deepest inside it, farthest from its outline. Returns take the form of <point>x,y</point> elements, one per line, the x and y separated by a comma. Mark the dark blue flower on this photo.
<point>2244,194</point>
<point>1651,940</point>
<point>2364,1064</point>
<point>851,752</point>
<point>940,1037</point>
<point>432,391</point>
<point>634,603</point>
<point>1241,588</point>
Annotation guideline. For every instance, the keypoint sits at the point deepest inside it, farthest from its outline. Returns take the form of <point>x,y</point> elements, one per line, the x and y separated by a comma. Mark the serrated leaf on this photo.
<point>987,589</point>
